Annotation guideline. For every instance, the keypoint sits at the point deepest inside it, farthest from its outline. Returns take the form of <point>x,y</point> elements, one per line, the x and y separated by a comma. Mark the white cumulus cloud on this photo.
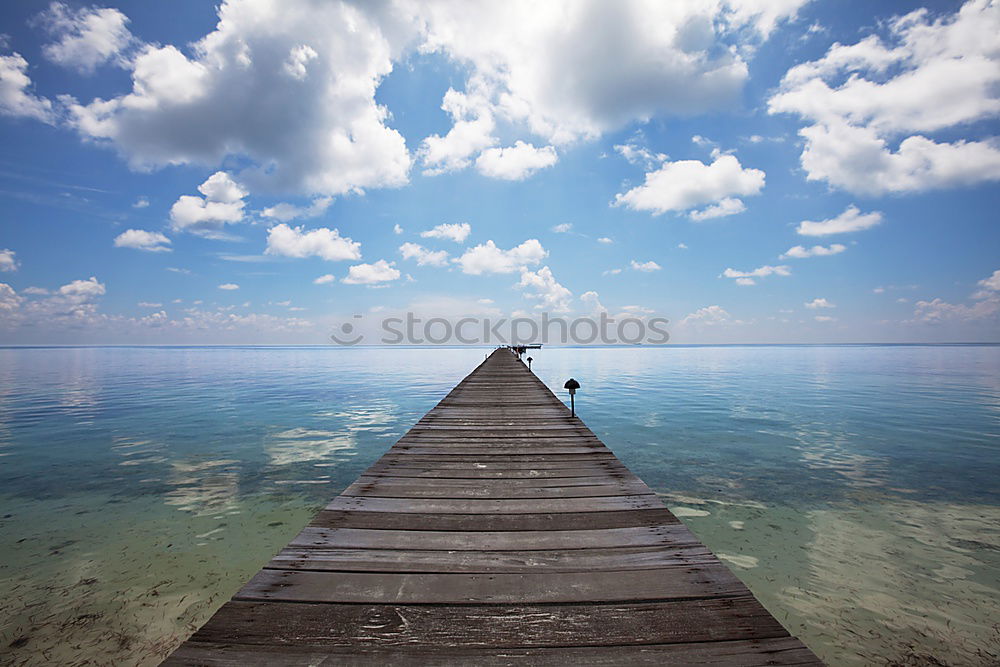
<point>221,204</point>
<point>749,277</point>
<point>985,305</point>
<point>871,105</point>
<point>851,220</point>
<point>423,256</point>
<point>573,69</point>
<point>296,66</point>
<point>515,163</point>
<point>538,72</point>
<point>635,153</point>
<point>725,207</point>
<point>456,232</point>
<point>10,303</point>
<point>74,304</point>
<point>542,286</point>
<point>8,260</point>
<point>324,279</point>
<point>371,274</point>
<point>593,302</point>
<point>488,258</point>
<point>802,252</point>
<point>645,267</point>
<point>141,239</point>
<point>708,316</point>
<point>285,212</point>
<point>471,132</point>
<point>229,287</point>
<point>763,15</point>
<point>545,69</point>
<point>321,62</point>
<point>938,311</point>
<point>818,303</point>
<point>82,289</point>
<point>988,285</point>
<point>322,242</point>
<point>16,98</point>
<point>686,184</point>
<point>86,37</point>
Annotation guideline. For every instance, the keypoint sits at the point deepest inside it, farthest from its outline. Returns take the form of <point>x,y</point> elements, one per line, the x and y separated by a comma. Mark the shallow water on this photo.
<point>853,488</point>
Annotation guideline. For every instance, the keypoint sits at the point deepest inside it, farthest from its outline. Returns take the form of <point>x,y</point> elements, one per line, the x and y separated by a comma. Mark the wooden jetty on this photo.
<point>499,530</point>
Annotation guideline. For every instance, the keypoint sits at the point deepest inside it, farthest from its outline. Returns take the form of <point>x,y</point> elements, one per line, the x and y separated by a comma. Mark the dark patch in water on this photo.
<point>914,659</point>
<point>84,619</point>
<point>56,548</point>
<point>19,642</point>
<point>974,545</point>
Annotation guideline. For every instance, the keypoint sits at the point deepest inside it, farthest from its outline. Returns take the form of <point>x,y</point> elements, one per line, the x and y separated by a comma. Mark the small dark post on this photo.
<point>529,363</point>
<point>572,385</point>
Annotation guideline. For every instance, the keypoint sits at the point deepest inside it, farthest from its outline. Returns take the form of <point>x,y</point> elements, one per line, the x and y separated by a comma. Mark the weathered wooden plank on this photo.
<point>512,440</point>
<point>517,626</point>
<point>496,415</point>
<point>499,402</point>
<point>510,417</point>
<point>744,653</point>
<point>495,490</point>
<point>442,474</point>
<point>482,434</point>
<point>480,506</point>
<point>696,581</point>
<point>478,561</point>
<point>488,522</point>
<point>499,450</point>
<point>526,461</point>
<point>452,540</point>
<point>488,425</point>
<point>391,478</point>
<point>533,431</point>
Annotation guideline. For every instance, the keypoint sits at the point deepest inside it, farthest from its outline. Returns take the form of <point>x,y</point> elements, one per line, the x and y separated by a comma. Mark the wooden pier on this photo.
<point>499,530</point>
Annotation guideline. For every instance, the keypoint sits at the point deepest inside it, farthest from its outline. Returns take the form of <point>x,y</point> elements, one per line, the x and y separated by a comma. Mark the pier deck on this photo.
<point>498,530</point>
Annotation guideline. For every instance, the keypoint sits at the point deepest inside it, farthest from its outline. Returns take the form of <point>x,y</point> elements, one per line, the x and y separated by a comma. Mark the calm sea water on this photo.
<point>853,488</point>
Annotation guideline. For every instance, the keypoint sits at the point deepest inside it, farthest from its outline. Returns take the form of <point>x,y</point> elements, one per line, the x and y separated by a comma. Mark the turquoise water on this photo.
<point>853,488</point>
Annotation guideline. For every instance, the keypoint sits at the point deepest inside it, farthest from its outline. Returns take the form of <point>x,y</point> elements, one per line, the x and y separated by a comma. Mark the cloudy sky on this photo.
<point>753,170</point>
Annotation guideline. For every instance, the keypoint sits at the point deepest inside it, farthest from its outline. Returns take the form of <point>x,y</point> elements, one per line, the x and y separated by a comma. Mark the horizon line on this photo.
<point>8,346</point>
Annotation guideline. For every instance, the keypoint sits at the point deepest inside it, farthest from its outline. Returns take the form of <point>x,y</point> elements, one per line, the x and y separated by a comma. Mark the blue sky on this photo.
<point>261,172</point>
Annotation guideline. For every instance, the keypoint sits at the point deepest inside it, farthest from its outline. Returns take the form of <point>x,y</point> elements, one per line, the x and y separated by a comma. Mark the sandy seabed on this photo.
<point>124,582</point>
